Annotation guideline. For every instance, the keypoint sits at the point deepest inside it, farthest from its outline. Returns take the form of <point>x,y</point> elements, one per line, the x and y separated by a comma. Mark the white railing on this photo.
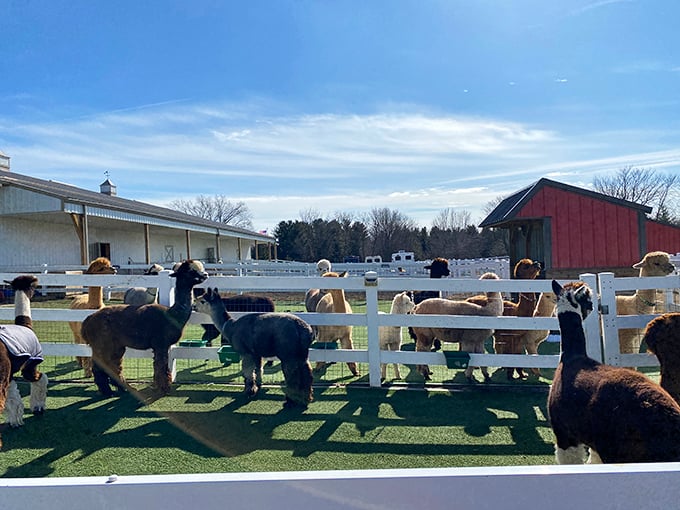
<point>600,346</point>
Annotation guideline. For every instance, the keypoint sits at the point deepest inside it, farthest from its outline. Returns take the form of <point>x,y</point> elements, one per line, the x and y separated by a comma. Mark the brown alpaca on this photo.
<point>20,351</point>
<point>93,300</point>
<point>617,413</point>
<point>438,268</point>
<point>662,337</point>
<point>643,302</point>
<point>334,302</point>
<point>509,341</point>
<point>110,330</point>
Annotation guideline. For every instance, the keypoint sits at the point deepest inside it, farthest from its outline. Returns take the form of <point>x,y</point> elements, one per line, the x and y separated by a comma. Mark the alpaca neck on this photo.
<point>646,298</point>
<point>339,303</point>
<point>572,334</point>
<point>545,307</point>
<point>526,305</point>
<point>95,297</point>
<point>181,309</point>
<point>670,381</point>
<point>22,304</point>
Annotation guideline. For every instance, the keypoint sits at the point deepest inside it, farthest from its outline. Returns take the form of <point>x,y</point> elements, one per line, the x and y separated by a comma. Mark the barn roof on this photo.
<point>115,204</point>
<point>509,207</point>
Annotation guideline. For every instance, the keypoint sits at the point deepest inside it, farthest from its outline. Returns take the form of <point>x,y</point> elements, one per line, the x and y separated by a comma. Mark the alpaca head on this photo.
<point>26,283</point>
<point>402,303</point>
<point>573,297</point>
<point>190,271</point>
<point>526,269</point>
<point>100,265</point>
<point>655,263</point>
<point>438,268</point>
<point>154,269</point>
<point>662,336</point>
<point>323,266</point>
<point>204,303</point>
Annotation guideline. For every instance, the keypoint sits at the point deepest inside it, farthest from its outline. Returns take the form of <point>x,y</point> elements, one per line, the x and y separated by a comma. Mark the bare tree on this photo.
<point>450,219</point>
<point>216,208</point>
<point>641,185</point>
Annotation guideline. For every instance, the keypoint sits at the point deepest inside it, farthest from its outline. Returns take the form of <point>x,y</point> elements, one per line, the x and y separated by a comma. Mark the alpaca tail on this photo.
<point>38,399</point>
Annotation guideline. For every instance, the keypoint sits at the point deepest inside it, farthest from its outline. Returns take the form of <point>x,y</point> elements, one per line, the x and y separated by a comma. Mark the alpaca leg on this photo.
<point>532,348</point>
<point>346,343</point>
<point>298,377</point>
<point>39,395</point>
<point>107,368</point>
<point>161,372</point>
<point>84,362</point>
<point>423,344</point>
<point>249,366</point>
<point>395,347</point>
<point>594,457</point>
<point>14,406</point>
<point>571,455</point>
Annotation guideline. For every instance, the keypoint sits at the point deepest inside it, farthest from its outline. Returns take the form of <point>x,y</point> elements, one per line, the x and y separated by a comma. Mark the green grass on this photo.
<point>215,428</point>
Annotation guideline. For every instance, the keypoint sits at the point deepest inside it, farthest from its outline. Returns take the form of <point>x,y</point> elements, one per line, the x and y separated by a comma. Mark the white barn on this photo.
<point>49,223</point>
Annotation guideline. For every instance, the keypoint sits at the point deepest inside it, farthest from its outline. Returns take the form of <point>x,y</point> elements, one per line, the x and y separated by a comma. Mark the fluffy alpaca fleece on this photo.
<point>138,296</point>
<point>263,335</point>
<point>643,302</point>
<point>438,268</point>
<point>390,336</point>
<point>617,413</point>
<point>532,338</point>
<point>20,351</point>
<point>110,330</point>
<point>323,266</point>
<point>471,340</point>
<point>313,296</point>
<point>237,303</point>
<point>93,300</point>
<point>509,341</point>
<point>334,302</point>
<point>662,336</point>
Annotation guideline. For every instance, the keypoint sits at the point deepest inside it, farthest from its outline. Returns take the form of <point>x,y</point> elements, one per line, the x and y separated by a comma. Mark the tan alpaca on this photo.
<point>93,300</point>
<point>532,338</point>
<point>334,302</point>
<point>643,302</point>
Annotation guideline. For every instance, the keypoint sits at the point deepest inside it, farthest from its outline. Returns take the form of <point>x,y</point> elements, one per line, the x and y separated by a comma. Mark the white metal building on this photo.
<point>49,223</point>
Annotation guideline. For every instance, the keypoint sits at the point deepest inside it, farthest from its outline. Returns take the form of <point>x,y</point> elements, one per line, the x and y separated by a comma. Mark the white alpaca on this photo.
<point>137,296</point>
<point>390,336</point>
<point>643,302</point>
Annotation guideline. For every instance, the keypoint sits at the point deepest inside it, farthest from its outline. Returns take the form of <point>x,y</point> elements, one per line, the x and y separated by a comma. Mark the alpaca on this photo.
<point>390,336</point>
<point>313,296</point>
<point>263,335</point>
<point>111,329</point>
<point>323,266</point>
<point>532,338</point>
<point>236,303</point>
<point>20,351</point>
<point>662,337</point>
<point>618,413</point>
<point>438,268</point>
<point>471,340</point>
<point>510,341</point>
<point>137,296</point>
<point>334,302</point>
<point>643,302</point>
<point>93,300</point>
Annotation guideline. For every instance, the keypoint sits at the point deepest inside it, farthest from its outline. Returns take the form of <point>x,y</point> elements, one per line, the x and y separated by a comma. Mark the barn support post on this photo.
<point>218,248</point>
<point>188,241</point>
<point>80,224</point>
<point>239,255</point>
<point>147,248</point>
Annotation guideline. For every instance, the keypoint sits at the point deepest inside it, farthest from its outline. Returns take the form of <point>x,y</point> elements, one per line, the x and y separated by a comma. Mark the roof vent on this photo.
<point>108,188</point>
<point>4,162</point>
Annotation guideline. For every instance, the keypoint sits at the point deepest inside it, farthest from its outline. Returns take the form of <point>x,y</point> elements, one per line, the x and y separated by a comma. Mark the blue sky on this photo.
<point>331,106</point>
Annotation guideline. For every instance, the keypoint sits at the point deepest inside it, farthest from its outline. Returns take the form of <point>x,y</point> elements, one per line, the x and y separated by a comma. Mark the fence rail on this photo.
<point>601,327</point>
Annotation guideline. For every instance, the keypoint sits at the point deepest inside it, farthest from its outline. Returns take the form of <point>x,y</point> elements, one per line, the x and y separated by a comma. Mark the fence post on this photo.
<point>371,286</point>
<point>610,328</point>
<point>591,324</point>
<point>166,288</point>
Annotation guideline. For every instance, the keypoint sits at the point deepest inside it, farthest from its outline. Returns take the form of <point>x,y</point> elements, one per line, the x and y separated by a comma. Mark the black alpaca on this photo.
<point>264,335</point>
<point>618,413</point>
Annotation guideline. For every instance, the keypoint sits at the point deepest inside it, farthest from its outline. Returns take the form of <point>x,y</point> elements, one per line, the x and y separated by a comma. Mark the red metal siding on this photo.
<point>586,232</point>
<point>662,237</point>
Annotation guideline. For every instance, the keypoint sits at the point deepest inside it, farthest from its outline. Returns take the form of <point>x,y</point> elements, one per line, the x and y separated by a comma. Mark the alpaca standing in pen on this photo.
<point>617,413</point>
<point>20,351</point>
<point>256,336</point>
<point>390,336</point>
<point>110,330</point>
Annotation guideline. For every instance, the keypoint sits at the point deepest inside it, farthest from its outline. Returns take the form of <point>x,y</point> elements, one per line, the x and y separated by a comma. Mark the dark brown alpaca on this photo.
<point>662,337</point>
<point>618,413</point>
<point>110,330</point>
<point>20,351</point>
<point>438,268</point>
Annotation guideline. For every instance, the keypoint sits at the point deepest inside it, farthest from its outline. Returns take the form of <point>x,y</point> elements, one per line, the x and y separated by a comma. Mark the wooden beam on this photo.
<point>147,248</point>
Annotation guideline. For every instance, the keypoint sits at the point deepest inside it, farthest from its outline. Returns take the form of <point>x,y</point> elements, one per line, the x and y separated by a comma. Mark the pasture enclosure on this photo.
<point>601,327</point>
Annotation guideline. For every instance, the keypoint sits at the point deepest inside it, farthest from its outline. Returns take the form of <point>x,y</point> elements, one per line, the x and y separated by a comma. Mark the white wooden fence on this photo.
<point>601,326</point>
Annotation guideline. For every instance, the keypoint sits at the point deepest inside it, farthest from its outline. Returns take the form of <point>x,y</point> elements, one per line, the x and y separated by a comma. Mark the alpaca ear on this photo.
<point>557,288</point>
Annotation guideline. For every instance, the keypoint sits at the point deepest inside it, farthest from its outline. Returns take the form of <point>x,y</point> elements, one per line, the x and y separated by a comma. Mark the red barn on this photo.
<point>572,230</point>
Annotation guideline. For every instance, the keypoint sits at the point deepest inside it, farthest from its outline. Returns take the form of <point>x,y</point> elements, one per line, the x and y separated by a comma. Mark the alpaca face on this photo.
<point>192,270</point>
<point>527,269</point>
<point>656,263</point>
<point>573,297</point>
<point>402,303</point>
<point>323,266</point>
<point>24,283</point>
<point>101,265</point>
<point>438,268</point>
<point>154,269</point>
